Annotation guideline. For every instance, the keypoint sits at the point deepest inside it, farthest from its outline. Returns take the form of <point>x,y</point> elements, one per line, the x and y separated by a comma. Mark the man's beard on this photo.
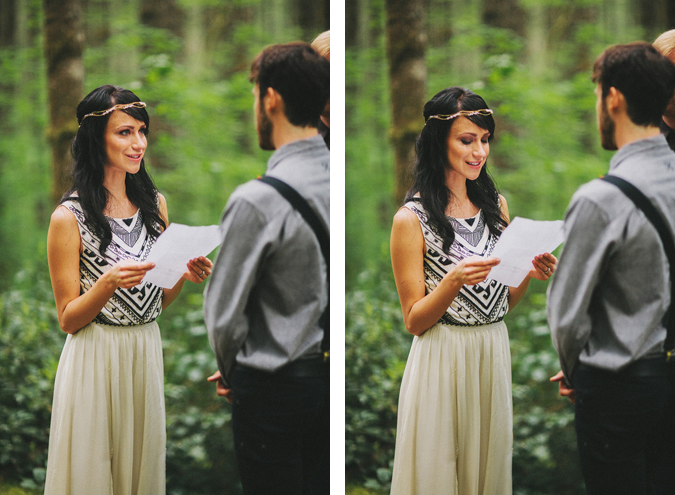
<point>607,138</point>
<point>264,128</point>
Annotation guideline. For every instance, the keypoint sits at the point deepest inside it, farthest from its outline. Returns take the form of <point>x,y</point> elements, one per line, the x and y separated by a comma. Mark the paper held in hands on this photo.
<point>177,245</point>
<point>520,242</point>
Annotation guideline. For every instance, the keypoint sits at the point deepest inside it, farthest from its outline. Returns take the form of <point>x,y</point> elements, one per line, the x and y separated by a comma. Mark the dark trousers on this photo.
<point>625,425</point>
<point>281,426</point>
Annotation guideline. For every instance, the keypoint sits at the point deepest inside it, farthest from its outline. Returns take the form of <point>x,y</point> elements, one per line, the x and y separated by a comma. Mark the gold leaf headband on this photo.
<point>120,106</point>
<point>465,113</point>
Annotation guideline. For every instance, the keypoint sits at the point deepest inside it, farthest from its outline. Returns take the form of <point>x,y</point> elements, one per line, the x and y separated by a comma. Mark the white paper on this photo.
<point>177,245</point>
<point>520,242</point>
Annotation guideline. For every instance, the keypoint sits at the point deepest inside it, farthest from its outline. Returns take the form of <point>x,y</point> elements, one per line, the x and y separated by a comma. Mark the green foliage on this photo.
<point>376,347</point>
<point>544,450</point>
<point>6,489</point>
<point>200,449</point>
<point>30,343</point>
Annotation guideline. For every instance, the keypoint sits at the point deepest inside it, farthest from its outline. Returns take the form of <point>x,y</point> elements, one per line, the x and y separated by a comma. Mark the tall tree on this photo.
<point>163,14</point>
<point>406,48</point>
<point>168,16</point>
<point>64,41</point>
<point>313,17</point>
<point>507,14</point>
<point>7,43</point>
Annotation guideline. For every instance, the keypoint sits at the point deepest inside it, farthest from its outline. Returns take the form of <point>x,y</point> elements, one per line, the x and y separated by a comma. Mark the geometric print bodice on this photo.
<point>481,304</point>
<point>130,241</point>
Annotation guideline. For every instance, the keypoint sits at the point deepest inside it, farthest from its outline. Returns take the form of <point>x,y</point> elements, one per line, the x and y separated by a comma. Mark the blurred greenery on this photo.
<point>202,145</point>
<point>546,145</point>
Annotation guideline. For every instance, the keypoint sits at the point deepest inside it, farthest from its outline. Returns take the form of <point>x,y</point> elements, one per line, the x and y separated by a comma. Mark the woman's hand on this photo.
<point>545,265</point>
<point>127,274</point>
<point>472,270</point>
<point>198,269</point>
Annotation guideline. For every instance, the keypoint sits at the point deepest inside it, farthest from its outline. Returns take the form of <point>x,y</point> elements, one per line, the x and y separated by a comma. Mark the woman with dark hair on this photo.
<point>107,431</point>
<point>454,431</point>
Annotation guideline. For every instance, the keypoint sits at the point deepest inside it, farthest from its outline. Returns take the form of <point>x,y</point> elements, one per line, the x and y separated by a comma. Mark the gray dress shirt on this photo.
<point>268,286</point>
<point>612,288</point>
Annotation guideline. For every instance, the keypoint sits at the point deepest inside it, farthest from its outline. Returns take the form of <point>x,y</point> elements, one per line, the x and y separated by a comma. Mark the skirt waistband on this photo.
<point>467,328</point>
<point>121,328</point>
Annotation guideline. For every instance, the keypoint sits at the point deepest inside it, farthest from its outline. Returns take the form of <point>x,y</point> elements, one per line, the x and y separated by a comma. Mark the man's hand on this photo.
<point>220,386</point>
<point>563,389</point>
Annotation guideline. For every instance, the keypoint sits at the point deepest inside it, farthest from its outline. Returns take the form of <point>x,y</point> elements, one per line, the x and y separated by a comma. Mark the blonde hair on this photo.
<point>322,44</point>
<point>666,43</point>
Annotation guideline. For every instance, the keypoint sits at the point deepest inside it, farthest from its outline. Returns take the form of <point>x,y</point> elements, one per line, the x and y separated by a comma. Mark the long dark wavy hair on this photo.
<point>432,163</point>
<point>89,159</point>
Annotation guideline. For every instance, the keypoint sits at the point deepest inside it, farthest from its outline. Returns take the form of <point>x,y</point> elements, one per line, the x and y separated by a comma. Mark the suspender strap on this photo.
<point>310,216</point>
<point>642,202</point>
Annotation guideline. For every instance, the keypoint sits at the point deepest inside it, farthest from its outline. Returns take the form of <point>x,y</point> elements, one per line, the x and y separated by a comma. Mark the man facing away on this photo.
<point>665,43</point>
<point>268,289</point>
<point>608,299</point>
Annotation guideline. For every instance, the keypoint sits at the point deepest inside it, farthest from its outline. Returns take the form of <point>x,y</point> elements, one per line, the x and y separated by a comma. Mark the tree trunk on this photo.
<point>466,54</point>
<point>351,23</point>
<point>7,22</point>
<point>7,51</point>
<point>163,14</point>
<point>536,39</point>
<point>507,14</point>
<point>195,40</point>
<point>65,74</point>
<point>406,46</point>
<point>670,14</point>
<point>313,17</point>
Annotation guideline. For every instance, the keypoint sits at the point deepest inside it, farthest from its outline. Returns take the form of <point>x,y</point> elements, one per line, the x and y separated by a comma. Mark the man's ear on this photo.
<point>615,100</point>
<point>272,100</point>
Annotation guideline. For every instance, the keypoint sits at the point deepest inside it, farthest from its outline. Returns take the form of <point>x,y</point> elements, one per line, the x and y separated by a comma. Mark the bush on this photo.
<point>376,348</point>
<point>30,344</point>
<point>200,456</point>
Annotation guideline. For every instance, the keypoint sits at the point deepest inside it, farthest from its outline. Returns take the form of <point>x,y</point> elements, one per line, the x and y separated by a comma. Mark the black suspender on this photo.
<point>301,205</point>
<point>642,202</point>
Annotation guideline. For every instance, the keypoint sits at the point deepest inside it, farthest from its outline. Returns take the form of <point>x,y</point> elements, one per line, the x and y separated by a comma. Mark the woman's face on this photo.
<point>125,143</point>
<point>468,148</point>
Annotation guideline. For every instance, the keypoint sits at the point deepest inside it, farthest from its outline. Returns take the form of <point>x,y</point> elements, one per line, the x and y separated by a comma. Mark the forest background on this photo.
<point>531,60</point>
<point>190,61</point>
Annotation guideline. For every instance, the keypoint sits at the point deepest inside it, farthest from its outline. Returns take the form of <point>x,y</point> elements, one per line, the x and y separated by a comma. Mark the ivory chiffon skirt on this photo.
<point>108,434</point>
<point>454,431</point>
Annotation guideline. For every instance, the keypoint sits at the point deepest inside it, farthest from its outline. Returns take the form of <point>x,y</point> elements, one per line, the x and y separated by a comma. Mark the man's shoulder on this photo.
<point>598,193</point>
<point>254,194</point>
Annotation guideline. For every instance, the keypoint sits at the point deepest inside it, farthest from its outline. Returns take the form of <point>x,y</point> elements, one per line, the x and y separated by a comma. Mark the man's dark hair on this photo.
<point>300,75</point>
<point>644,77</point>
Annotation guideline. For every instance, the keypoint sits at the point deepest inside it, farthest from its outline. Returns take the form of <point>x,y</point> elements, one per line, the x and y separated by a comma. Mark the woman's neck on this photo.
<point>459,205</point>
<point>119,205</point>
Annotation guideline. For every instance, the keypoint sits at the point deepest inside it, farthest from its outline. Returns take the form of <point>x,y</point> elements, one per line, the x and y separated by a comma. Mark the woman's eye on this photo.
<point>144,130</point>
<point>125,132</point>
<point>465,141</point>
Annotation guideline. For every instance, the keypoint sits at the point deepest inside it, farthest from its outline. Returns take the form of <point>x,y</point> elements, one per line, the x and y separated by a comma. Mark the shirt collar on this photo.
<point>294,148</point>
<point>637,147</point>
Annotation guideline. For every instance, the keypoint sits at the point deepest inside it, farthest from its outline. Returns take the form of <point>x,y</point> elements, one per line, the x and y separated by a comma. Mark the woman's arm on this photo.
<point>74,311</point>
<point>420,311</point>
<point>198,268</point>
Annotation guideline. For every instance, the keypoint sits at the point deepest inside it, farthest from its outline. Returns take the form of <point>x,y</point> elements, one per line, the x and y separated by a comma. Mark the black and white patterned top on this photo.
<point>130,241</point>
<point>480,304</point>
